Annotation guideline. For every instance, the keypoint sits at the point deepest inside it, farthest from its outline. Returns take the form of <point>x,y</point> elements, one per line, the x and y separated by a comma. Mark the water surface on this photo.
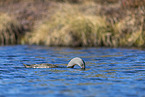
<point>110,72</point>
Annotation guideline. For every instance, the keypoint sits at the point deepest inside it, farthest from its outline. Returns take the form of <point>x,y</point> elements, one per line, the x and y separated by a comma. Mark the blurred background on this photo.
<point>85,23</point>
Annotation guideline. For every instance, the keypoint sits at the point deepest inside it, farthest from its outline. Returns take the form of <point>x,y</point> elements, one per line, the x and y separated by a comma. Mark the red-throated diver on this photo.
<point>71,64</point>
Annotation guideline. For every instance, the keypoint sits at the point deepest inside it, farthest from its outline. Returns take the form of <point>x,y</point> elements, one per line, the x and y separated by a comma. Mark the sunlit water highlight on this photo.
<point>109,72</point>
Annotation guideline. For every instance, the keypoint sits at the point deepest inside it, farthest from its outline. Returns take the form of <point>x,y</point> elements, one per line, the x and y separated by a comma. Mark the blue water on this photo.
<point>110,72</point>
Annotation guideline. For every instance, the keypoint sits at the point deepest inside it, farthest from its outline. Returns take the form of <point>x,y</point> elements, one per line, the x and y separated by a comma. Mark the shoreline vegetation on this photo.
<point>73,23</point>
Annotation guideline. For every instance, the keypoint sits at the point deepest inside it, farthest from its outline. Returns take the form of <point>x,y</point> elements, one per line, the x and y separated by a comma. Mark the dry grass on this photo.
<point>72,26</point>
<point>133,3</point>
<point>132,28</point>
<point>10,30</point>
<point>109,23</point>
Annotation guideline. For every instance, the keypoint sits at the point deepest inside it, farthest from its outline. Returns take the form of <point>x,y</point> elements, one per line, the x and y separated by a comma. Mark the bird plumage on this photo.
<point>71,64</point>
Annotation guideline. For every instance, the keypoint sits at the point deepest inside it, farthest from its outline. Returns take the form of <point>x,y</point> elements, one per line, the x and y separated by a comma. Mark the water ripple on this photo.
<point>109,72</point>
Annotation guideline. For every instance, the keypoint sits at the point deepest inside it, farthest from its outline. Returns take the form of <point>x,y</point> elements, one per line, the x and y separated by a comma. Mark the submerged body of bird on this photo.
<point>71,64</point>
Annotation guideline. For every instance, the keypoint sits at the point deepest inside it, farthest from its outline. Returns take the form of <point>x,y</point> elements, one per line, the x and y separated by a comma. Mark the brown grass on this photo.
<point>10,30</point>
<point>109,23</point>
<point>72,26</point>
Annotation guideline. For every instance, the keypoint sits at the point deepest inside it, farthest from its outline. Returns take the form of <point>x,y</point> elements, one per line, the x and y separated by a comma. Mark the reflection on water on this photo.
<point>109,72</point>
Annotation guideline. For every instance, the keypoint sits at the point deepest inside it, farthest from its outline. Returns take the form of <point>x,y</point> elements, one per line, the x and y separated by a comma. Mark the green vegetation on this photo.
<point>109,23</point>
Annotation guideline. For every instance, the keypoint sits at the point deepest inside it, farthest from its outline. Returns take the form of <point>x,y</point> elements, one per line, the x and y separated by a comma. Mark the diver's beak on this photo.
<point>83,67</point>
